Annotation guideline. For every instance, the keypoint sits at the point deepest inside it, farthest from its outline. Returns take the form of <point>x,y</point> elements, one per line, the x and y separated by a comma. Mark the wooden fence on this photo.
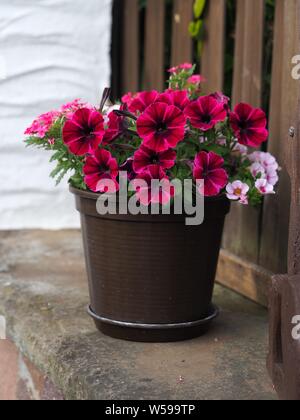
<point>255,241</point>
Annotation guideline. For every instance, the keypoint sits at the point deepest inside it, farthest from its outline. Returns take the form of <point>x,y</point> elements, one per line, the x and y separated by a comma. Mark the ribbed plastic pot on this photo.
<point>151,278</point>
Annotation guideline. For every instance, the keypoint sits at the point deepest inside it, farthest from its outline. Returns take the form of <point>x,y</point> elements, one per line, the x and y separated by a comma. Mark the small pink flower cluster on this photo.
<point>264,169</point>
<point>68,110</point>
<point>42,124</point>
<point>181,67</point>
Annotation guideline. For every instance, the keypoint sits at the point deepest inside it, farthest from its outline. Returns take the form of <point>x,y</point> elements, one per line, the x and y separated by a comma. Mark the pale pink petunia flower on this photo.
<point>222,141</point>
<point>256,168</point>
<point>237,190</point>
<point>267,160</point>
<point>264,187</point>
<point>240,148</point>
<point>272,177</point>
<point>244,200</point>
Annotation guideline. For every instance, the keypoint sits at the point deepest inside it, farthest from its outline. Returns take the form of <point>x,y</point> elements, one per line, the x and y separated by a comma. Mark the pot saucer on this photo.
<point>155,333</point>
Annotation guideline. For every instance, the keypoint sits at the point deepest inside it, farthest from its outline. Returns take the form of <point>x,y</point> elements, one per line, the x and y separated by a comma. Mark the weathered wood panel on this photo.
<point>244,277</point>
<point>242,233</point>
<point>182,45</point>
<point>212,59</point>
<point>284,353</point>
<point>283,104</point>
<point>154,77</point>
<point>131,37</point>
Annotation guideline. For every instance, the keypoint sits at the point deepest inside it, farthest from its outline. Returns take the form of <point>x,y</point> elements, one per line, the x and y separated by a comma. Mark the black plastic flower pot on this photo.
<point>151,277</point>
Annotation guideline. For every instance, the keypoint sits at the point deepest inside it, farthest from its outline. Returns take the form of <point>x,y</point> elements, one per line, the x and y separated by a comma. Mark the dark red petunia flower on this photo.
<point>161,127</point>
<point>209,167</point>
<point>222,99</point>
<point>177,98</point>
<point>144,157</point>
<point>99,168</point>
<point>117,125</point>
<point>249,125</point>
<point>84,132</point>
<point>127,166</point>
<point>147,192</point>
<point>205,113</point>
<point>142,100</point>
<point>128,98</point>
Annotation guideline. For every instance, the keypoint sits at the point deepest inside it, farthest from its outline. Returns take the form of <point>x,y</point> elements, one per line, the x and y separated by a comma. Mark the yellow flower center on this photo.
<point>238,191</point>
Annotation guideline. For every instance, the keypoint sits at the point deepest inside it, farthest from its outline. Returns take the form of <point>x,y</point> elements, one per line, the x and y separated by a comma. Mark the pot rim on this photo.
<point>94,196</point>
<point>216,207</point>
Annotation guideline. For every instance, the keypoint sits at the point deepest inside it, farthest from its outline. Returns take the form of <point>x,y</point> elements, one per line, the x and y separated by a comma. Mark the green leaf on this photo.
<point>193,29</point>
<point>199,8</point>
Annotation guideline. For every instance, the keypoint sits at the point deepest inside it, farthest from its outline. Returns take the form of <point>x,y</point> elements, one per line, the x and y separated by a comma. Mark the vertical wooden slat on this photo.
<point>242,232</point>
<point>212,60</point>
<point>248,65</point>
<point>285,92</point>
<point>292,143</point>
<point>239,52</point>
<point>155,45</point>
<point>130,67</point>
<point>182,45</point>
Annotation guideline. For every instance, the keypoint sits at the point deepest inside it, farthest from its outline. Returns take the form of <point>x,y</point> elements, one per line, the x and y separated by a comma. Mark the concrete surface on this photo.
<point>43,295</point>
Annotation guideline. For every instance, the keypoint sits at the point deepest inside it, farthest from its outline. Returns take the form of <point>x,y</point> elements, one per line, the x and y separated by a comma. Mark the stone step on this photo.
<point>44,295</point>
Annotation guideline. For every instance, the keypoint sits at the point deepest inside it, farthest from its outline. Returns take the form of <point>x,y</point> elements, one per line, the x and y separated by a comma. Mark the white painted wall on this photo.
<point>51,52</point>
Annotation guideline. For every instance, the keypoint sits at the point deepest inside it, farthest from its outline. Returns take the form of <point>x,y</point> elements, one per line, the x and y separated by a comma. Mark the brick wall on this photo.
<point>20,380</point>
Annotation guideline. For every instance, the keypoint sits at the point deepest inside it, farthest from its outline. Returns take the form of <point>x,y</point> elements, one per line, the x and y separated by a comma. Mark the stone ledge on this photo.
<point>44,295</point>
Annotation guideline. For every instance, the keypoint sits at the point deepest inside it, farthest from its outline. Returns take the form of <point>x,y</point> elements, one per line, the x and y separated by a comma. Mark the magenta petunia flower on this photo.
<point>116,126</point>
<point>161,127</point>
<point>205,113</point>
<point>142,100</point>
<point>177,98</point>
<point>222,99</point>
<point>99,168</point>
<point>249,125</point>
<point>147,192</point>
<point>128,98</point>
<point>84,132</point>
<point>209,167</point>
<point>144,157</point>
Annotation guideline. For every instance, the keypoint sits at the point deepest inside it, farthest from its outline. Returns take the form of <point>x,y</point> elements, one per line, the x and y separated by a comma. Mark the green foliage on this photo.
<point>196,28</point>
<point>199,8</point>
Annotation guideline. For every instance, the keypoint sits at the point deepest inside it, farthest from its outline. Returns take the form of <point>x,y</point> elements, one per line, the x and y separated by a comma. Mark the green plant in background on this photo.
<point>196,28</point>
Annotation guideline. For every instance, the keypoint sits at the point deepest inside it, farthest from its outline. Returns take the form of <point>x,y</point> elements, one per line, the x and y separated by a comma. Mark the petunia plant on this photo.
<point>176,134</point>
